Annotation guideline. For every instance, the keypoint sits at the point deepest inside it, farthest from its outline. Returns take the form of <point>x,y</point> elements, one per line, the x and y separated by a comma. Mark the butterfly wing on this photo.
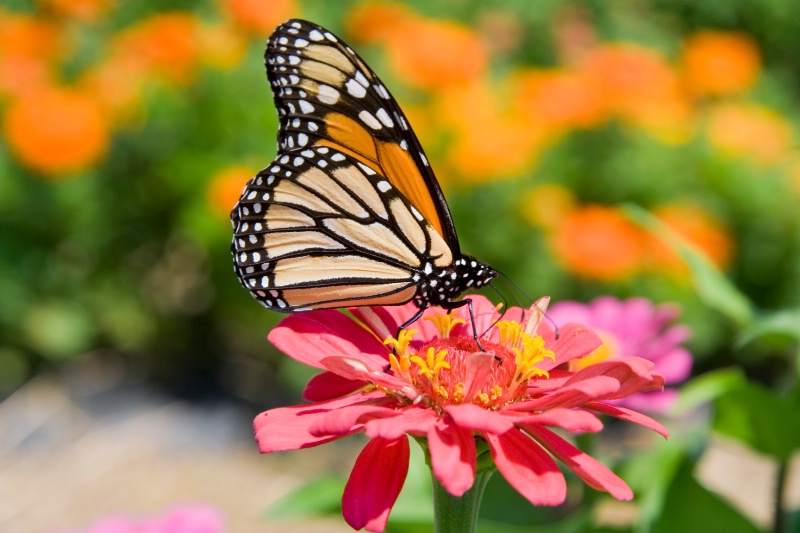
<point>319,228</point>
<point>326,95</point>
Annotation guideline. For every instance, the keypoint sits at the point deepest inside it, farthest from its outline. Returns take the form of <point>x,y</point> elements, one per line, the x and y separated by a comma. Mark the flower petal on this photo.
<point>309,337</point>
<point>634,374</point>
<point>631,416</point>
<point>358,370</point>
<point>452,451</point>
<point>593,472</point>
<point>348,418</point>
<point>528,468</point>
<point>573,420</point>
<point>470,416</point>
<point>574,341</point>
<point>572,394</point>
<point>415,421</point>
<point>327,385</point>
<point>375,483</point>
<point>287,428</point>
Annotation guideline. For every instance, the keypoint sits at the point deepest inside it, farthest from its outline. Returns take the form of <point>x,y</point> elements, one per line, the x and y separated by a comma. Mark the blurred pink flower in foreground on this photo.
<point>189,518</point>
<point>442,388</point>
<point>633,327</point>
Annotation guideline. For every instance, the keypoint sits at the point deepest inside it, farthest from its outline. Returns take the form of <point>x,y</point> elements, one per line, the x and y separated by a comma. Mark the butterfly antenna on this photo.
<point>556,330</point>
<point>505,309</point>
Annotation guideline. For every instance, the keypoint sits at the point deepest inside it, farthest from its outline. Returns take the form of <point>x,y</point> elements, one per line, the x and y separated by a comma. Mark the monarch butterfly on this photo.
<point>349,213</point>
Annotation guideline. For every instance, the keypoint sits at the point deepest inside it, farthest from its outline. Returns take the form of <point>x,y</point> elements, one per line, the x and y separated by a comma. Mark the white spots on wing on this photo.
<point>331,37</point>
<point>252,195</point>
<point>361,79</point>
<point>381,90</point>
<point>424,159</point>
<point>256,208</point>
<point>301,43</point>
<point>284,160</point>
<point>369,119</point>
<point>404,144</point>
<point>416,214</point>
<point>327,94</point>
<point>384,186</point>
<point>355,88</point>
<point>307,153</point>
<point>322,163</point>
<point>338,157</point>
<point>296,25</point>
<point>323,150</point>
<point>294,79</point>
<point>302,139</point>
<point>402,121</point>
<point>367,170</point>
<point>315,35</point>
<point>384,117</point>
<point>283,40</point>
<point>305,107</point>
<point>298,161</point>
<point>296,123</point>
<point>312,126</point>
<point>294,60</point>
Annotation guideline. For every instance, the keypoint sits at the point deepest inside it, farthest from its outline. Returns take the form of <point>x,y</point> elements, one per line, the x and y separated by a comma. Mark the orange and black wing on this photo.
<point>326,95</point>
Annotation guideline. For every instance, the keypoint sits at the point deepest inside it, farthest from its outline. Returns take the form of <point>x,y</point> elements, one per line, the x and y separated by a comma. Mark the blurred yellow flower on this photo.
<point>749,130</point>
<point>547,205</point>
<point>56,130</point>
<point>259,17</point>
<point>83,10</point>
<point>599,242</point>
<point>226,187</point>
<point>374,22</point>
<point>221,45</point>
<point>699,228</point>
<point>719,63</point>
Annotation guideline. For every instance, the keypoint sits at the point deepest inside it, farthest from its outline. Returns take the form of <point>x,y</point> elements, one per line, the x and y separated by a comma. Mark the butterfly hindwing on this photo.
<point>327,96</point>
<point>318,228</point>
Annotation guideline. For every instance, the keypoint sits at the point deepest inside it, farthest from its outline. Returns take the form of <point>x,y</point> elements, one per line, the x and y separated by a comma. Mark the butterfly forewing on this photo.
<point>327,95</point>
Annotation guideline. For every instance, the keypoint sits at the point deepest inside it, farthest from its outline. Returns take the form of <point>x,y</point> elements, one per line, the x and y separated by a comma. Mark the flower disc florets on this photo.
<point>453,370</point>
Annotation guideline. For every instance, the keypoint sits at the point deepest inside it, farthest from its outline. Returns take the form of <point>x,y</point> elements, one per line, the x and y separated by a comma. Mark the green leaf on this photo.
<point>784,323</point>
<point>319,497</point>
<point>761,419</point>
<point>693,509</point>
<point>707,387</point>
<point>713,288</point>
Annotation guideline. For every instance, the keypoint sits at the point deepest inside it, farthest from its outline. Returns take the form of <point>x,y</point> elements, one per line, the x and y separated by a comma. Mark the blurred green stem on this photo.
<point>780,523</point>
<point>458,514</point>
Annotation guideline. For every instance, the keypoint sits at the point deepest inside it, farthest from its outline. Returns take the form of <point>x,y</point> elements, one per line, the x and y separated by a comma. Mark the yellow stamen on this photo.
<point>510,332</point>
<point>445,323</point>
<point>399,361</point>
<point>431,365</point>
<point>533,352</point>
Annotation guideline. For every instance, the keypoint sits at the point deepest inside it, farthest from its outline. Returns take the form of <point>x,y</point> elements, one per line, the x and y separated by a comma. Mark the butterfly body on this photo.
<point>349,213</point>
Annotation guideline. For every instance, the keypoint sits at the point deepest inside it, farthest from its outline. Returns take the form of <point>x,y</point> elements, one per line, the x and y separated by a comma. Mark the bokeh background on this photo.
<point>630,148</point>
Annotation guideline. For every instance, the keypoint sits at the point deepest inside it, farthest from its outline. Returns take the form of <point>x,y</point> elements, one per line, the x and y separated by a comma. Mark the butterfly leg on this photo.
<point>468,302</point>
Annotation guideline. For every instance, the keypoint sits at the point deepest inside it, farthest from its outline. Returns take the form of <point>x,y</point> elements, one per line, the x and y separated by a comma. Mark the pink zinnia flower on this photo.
<point>442,388</point>
<point>184,518</point>
<point>633,327</point>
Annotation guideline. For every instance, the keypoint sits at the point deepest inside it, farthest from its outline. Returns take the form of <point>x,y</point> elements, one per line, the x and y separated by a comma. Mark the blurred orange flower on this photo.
<point>699,229</point>
<point>488,139</point>
<point>749,130</point>
<point>600,243</point>
<point>259,17</point>
<point>221,45</point>
<point>638,85</point>
<point>720,63</point>
<point>83,10</point>
<point>547,205</point>
<point>164,46</point>
<point>30,47</point>
<point>226,188</point>
<point>558,99</point>
<point>374,22</point>
<point>56,130</point>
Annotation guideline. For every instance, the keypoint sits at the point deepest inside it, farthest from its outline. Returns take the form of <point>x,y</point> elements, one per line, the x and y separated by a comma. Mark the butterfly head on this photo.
<point>443,286</point>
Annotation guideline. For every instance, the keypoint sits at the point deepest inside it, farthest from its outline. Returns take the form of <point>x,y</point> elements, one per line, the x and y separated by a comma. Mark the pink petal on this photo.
<point>470,416</point>
<point>572,394</point>
<point>634,374</point>
<point>593,472</point>
<point>415,421</point>
<point>375,483</point>
<point>358,370</point>
<point>348,418</point>
<point>327,385</point>
<point>287,428</point>
<point>631,416</point>
<point>478,372</point>
<point>452,451</point>
<point>309,337</point>
<point>573,420</point>
<point>652,402</point>
<point>384,321</point>
<point>528,468</point>
<point>574,341</point>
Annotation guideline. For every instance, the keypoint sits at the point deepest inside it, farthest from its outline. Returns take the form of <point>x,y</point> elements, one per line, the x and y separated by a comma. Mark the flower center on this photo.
<point>453,370</point>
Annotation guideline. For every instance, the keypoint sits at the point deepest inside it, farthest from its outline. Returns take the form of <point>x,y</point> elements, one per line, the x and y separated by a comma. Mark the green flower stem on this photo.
<point>458,514</point>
